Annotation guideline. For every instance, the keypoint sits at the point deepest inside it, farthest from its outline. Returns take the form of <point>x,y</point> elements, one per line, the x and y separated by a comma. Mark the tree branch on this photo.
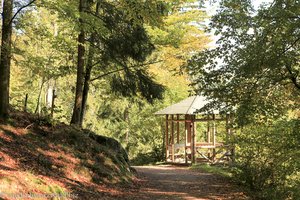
<point>118,70</point>
<point>20,9</point>
<point>293,77</point>
<point>292,45</point>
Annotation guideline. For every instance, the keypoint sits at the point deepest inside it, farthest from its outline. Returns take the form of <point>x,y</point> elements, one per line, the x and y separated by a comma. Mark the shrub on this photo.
<point>156,155</point>
<point>268,159</point>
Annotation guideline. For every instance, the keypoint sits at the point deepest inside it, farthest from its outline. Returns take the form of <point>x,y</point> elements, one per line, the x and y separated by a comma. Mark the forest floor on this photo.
<point>41,161</point>
<point>174,182</point>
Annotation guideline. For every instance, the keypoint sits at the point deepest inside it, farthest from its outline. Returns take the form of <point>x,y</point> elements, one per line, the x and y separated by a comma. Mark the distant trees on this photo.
<point>114,42</point>
<point>6,53</point>
<point>124,55</point>
<point>5,58</point>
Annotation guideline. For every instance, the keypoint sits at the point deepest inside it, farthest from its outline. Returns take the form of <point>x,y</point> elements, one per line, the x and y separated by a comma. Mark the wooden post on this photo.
<point>172,129</point>
<point>195,128</point>
<point>172,135</point>
<point>178,130</point>
<point>214,137</point>
<point>163,132</point>
<point>173,152</point>
<point>208,129</point>
<point>214,154</point>
<point>25,103</point>
<point>192,127</point>
<point>185,138</point>
<point>189,130</point>
<point>227,128</point>
<point>167,137</point>
<point>214,130</point>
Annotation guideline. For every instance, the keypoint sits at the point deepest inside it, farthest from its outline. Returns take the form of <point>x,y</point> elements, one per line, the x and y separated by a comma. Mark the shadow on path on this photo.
<point>170,182</point>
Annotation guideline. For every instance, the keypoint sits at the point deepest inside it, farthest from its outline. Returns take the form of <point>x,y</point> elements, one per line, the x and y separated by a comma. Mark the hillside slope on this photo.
<point>58,162</point>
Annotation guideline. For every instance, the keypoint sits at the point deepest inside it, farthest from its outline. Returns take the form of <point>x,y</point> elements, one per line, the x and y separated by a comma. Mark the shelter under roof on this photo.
<point>185,142</point>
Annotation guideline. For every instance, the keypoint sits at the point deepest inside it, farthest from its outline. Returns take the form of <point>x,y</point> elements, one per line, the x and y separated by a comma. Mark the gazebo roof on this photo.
<point>188,106</point>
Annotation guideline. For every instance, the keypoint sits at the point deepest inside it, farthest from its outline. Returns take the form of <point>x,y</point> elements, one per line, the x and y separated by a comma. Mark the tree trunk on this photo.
<point>86,88</point>
<point>38,104</point>
<point>80,71</point>
<point>87,77</point>
<point>52,103</point>
<point>25,103</point>
<point>5,58</point>
<point>127,120</point>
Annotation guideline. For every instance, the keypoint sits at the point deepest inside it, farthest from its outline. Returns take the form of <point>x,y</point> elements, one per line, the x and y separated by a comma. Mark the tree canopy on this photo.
<point>253,72</point>
<point>254,67</point>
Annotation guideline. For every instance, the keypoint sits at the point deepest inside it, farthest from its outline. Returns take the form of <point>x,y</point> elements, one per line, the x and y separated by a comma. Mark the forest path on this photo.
<point>173,182</point>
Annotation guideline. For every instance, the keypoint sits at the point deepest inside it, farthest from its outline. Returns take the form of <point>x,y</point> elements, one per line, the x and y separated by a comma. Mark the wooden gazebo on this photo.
<point>181,144</point>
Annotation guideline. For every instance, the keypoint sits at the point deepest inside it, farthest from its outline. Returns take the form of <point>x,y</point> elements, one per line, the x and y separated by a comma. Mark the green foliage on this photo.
<point>125,91</point>
<point>254,67</point>
<point>131,121</point>
<point>181,34</point>
<point>268,159</point>
<point>138,82</point>
<point>43,54</point>
<point>254,71</point>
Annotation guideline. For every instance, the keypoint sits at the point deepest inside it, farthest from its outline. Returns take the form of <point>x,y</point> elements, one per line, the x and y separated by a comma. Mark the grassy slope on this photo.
<point>61,160</point>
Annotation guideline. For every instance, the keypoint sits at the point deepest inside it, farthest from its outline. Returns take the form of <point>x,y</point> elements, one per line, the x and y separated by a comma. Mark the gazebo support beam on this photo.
<point>172,135</point>
<point>167,137</point>
<point>208,129</point>
<point>178,132</point>
<point>193,139</point>
<point>185,139</point>
<point>214,137</point>
<point>214,130</point>
<point>196,120</point>
<point>227,128</point>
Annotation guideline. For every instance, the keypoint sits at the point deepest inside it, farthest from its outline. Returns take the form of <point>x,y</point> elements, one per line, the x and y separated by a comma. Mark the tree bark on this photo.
<point>5,58</point>
<point>52,103</point>
<point>87,77</point>
<point>127,121</point>
<point>38,104</point>
<point>25,103</point>
<point>80,71</point>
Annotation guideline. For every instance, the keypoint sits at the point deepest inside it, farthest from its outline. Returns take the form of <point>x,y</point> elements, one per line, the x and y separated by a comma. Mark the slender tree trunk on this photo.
<point>38,104</point>
<point>127,120</point>
<point>80,71</point>
<point>87,77</point>
<point>52,103</point>
<point>86,88</point>
<point>5,58</point>
<point>25,103</point>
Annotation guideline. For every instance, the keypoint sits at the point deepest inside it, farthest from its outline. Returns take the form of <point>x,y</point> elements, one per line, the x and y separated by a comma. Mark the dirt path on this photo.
<point>169,182</point>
